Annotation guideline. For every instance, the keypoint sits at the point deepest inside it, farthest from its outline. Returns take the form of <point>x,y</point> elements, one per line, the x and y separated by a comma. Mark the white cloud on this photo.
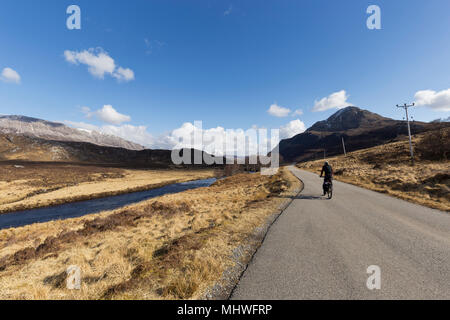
<point>124,74</point>
<point>213,139</point>
<point>218,141</point>
<point>82,125</point>
<point>86,111</point>
<point>439,101</point>
<point>278,111</point>
<point>107,114</point>
<point>228,11</point>
<point>292,129</point>
<point>110,115</point>
<point>153,45</point>
<point>337,100</point>
<point>9,75</point>
<point>136,134</point>
<point>148,45</point>
<point>297,112</point>
<point>99,63</point>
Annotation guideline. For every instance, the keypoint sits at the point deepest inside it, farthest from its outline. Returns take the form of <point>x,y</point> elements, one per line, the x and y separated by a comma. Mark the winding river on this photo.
<point>78,209</point>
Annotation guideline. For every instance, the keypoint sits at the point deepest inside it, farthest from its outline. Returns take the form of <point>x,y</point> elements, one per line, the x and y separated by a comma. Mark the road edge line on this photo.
<point>225,287</point>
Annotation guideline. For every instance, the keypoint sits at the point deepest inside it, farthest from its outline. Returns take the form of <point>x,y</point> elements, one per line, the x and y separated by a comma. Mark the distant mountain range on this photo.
<point>29,139</point>
<point>37,128</point>
<point>359,128</point>
<point>21,148</point>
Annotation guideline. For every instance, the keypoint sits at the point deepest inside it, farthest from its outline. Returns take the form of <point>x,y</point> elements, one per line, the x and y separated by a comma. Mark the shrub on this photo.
<point>435,145</point>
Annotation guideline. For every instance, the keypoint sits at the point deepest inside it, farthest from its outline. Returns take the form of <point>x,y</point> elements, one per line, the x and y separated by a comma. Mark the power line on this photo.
<point>343,145</point>
<point>406,106</point>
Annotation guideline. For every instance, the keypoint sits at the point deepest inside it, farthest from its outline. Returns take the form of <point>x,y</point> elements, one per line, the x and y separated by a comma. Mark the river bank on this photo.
<point>31,186</point>
<point>172,247</point>
<point>82,208</point>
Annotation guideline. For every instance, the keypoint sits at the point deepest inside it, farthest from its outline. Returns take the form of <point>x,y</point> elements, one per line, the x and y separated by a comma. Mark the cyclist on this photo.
<point>328,171</point>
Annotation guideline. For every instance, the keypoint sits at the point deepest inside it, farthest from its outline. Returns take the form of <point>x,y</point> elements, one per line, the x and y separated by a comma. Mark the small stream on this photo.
<point>78,209</point>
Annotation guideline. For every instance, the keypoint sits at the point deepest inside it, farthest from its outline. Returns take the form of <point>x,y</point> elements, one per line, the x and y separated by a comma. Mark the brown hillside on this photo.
<point>361,129</point>
<point>387,169</point>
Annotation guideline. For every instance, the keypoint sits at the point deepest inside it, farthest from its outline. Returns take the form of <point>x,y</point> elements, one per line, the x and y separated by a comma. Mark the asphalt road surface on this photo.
<point>321,249</point>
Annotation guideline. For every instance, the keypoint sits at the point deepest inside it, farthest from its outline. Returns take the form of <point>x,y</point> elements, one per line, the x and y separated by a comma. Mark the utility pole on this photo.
<point>406,106</point>
<point>343,145</point>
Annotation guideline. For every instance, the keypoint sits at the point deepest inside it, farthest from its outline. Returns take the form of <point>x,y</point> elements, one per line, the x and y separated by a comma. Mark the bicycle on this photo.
<point>328,188</point>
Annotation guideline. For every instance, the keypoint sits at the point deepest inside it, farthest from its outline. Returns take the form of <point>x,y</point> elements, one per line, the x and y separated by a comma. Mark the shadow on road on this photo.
<point>305,197</point>
<point>309,197</point>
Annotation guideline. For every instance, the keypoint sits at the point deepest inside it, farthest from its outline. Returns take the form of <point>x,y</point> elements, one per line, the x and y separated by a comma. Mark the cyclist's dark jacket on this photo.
<point>328,172</point>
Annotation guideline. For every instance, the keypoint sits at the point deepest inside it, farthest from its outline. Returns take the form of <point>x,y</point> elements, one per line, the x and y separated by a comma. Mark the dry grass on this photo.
<point>387,169</point>
<point>171,247</point>
<point>40,185</point>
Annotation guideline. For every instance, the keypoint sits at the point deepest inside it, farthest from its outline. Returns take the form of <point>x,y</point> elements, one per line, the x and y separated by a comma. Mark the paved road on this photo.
<point>321,249</point>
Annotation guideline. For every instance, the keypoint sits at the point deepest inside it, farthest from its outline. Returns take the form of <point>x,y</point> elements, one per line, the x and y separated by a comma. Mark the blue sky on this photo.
<point>222,62</point>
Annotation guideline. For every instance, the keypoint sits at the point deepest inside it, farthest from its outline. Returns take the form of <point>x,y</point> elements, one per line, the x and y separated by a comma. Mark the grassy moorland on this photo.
<point>387,169</point>
<point>172,247</point>
<point>33,185</point>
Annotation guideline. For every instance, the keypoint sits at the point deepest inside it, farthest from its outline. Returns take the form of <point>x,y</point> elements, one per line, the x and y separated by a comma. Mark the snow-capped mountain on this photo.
<point>441,120</point>
<point>37,128</point>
